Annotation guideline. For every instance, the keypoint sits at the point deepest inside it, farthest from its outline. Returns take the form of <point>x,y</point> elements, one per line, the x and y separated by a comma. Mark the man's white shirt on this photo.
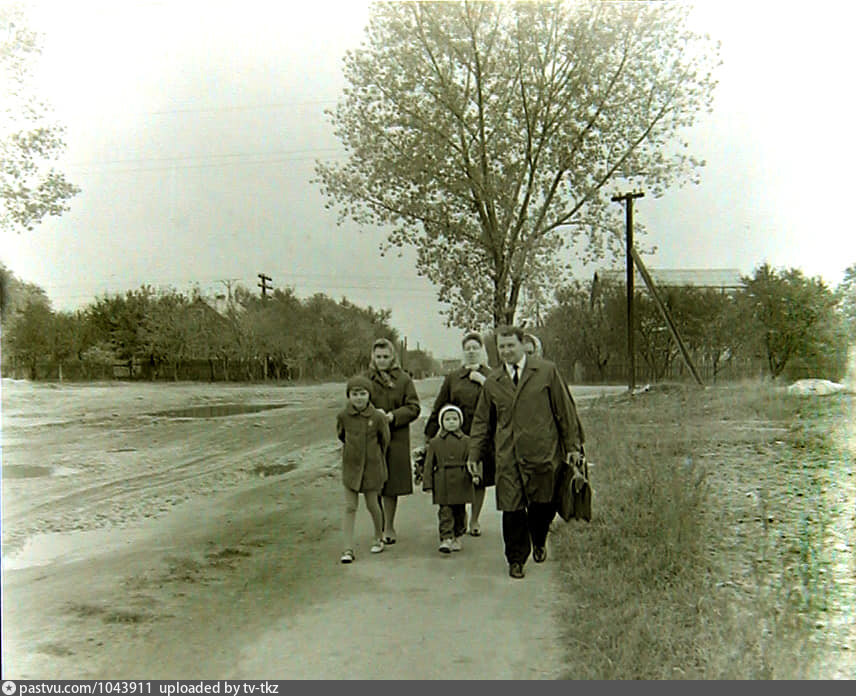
<point>509,368</point>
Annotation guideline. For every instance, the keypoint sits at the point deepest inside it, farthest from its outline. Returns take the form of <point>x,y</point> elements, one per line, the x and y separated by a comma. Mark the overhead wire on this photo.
<point>207,165</point>
<point>193,157</point>
<point>378,283</point>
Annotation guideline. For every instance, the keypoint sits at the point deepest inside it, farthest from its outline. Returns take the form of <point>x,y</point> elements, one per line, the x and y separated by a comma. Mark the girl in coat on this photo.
<point>394,395</point>
<point>446,474</point>
<point>463,388</point>
<point>365,433</point>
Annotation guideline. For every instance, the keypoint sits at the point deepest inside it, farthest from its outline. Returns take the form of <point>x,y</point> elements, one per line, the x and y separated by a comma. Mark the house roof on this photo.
<point>728,278</point>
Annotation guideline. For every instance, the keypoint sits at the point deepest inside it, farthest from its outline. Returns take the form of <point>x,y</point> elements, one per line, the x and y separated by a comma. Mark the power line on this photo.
<point>326,289</point>
<point>137,160</point>
<point>371,281</point>
<point>252,107</point>
<point>210,165</point>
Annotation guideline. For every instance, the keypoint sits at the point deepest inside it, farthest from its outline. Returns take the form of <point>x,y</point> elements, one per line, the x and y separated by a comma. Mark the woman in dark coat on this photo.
<point>462,388</point>
<point>394,395</point>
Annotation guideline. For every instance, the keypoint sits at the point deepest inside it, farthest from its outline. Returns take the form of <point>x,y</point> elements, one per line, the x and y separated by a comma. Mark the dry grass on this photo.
<point>708,556</point>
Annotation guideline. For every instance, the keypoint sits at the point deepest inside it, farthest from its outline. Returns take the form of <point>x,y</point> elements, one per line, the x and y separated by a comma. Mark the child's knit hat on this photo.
<point>450,407</point>
<point>360,381</point>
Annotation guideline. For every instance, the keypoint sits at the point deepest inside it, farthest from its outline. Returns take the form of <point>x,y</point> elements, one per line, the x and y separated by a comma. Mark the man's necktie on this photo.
<point>514,374</point>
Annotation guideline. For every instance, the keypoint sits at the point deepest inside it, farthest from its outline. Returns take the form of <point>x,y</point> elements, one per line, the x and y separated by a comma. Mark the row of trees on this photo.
<point>786,323</point>
<point>160,334</point>
<point>792,325</point>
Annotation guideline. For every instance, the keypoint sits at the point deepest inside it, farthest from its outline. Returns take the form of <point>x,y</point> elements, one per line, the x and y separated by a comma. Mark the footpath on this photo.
<point>247,584</point>
<point>414,613</point>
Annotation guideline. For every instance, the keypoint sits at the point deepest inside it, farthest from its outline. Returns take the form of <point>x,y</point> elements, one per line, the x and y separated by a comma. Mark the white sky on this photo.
<point>192,129</point>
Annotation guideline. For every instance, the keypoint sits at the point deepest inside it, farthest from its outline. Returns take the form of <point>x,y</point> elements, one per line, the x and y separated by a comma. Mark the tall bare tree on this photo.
<point>484,134</point>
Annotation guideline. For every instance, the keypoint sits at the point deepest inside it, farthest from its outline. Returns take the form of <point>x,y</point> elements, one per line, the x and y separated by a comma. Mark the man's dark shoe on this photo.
<point>515,570</point>
<point>539,554</point>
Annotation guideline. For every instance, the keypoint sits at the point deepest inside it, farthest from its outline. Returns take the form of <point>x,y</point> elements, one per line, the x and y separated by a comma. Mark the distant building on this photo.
<point>725,279</point>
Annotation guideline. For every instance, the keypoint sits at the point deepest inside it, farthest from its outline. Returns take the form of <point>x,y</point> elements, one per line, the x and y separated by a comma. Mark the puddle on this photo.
<point>265,470</point>
<point>15,471</point>
<point>68,547</point>
<point>216,411</point>
<point>19,471</point>
<point>64,471</point>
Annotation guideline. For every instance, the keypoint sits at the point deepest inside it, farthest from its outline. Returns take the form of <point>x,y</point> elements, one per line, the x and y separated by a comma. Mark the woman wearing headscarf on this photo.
<point>532,345</point>
<point>462,388</point>
<point>394,394</point>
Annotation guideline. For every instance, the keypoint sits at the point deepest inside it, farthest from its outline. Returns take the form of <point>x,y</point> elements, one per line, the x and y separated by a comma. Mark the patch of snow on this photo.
<point>817,387</point>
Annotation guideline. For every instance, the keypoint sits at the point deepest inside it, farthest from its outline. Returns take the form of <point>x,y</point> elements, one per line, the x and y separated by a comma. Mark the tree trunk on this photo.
<point>513,297</point>
<point>499,307</point>
<point>59,370</point>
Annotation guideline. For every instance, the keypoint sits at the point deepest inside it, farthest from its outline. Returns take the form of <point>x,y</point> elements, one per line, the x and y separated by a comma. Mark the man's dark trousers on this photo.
<point>519,525</point>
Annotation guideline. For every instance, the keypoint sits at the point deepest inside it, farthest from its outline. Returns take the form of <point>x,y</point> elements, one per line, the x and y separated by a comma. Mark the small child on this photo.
<point>446,474</point>
<point>365,432</point>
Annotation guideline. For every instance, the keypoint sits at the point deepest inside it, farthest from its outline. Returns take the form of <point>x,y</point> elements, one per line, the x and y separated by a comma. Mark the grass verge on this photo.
<point>711,554</point>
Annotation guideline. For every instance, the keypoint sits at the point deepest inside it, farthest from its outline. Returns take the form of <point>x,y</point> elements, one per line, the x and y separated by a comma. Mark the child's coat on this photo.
<point>446,472</point>
<point>366,437</point>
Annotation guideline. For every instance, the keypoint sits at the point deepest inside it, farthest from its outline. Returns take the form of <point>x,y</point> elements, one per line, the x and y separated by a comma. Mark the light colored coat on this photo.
<point>366,436</point>
<point>533,427</point>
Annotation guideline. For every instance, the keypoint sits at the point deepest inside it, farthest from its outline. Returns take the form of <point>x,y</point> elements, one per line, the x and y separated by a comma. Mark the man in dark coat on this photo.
<point>526,409</point>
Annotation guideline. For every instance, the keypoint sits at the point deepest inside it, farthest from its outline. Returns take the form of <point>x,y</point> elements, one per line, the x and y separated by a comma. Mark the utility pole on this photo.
<point>633,255</point>
<point>263,285</point>
<point>631,354</point>
<point>664,310</point>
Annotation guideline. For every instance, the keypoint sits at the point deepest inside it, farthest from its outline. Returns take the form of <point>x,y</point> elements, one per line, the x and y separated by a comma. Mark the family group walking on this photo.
<point>511,427</point>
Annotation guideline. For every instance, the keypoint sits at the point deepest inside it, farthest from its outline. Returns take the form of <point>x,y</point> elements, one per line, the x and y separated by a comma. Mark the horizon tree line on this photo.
<point>779,321</point>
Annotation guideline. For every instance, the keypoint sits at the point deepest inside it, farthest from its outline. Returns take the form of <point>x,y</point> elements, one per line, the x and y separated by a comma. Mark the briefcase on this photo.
<point>573,492</point>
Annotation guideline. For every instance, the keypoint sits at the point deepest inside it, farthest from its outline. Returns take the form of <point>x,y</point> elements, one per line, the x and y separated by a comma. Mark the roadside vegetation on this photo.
<point>715,550</point>
<point>165,334</point>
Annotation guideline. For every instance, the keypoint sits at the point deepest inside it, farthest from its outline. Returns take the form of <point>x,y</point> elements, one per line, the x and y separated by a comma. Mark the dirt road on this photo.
<point>144,544</point>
